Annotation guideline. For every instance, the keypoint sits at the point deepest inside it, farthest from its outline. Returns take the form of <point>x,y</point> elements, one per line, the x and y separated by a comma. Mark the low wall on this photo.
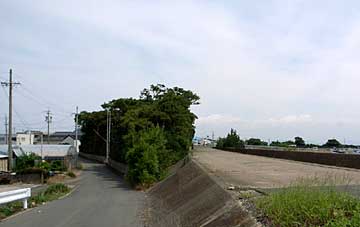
<point>119,167</point>
<point>93,157</point>
<point>340,160</point>
<point>189,197</point>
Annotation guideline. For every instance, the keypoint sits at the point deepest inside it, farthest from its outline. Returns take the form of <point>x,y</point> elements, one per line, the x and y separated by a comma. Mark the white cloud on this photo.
<point>292,119</point>
<point>254,63</point>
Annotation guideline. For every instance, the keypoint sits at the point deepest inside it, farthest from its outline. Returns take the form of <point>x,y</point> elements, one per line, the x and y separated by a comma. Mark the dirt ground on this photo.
<point>262,172</point>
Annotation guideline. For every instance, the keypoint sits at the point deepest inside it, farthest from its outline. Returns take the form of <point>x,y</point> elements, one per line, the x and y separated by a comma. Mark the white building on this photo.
<point>25,138</point>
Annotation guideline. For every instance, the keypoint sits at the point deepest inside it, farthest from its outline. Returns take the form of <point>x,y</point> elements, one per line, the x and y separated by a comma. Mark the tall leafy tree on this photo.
<point>299,142</point>
<point>158,107</point>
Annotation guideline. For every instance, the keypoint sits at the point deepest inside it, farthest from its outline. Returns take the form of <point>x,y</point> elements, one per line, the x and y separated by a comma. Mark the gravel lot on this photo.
<point>262,172</point>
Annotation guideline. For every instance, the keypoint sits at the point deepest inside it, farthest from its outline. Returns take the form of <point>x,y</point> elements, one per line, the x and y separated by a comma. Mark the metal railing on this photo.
<point>16,195</point>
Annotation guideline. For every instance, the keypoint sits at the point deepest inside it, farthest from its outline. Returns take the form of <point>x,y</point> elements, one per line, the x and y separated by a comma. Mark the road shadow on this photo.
<point>112,178</point>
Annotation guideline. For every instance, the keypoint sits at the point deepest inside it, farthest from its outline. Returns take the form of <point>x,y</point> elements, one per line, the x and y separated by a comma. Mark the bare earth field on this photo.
<point>262,172</point>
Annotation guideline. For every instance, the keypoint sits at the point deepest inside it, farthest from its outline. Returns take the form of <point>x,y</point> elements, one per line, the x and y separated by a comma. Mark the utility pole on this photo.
<point>10,84</point>
<point>41,145</point>
<point>76,128</point>
<point>48,119</point>
<point>6,129</point>
<point>108,135</point>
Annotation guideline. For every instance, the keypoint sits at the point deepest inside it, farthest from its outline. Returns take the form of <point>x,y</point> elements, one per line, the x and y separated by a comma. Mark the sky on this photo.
<point>271,69</point>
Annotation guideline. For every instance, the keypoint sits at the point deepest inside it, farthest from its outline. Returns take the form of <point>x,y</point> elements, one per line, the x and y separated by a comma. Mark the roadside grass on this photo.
<point>53,192</point>
<point>310,202</point>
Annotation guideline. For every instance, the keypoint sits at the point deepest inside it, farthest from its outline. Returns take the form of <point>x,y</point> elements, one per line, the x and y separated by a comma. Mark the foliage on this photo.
<point>277,143</point>
<point>132,119</point>
<point>71,174</point>
<point>232,140</point>
<point>57,166</point>
<point>54,191</point>
<point>299,142</point>
<point>10,208</point>
<point>310,206</point>
<point>26,161</point>
<point>148,158</point>
<point>44,165</point>
<point>56,188</point>
<point>332,143</point>
<point>256,142</point>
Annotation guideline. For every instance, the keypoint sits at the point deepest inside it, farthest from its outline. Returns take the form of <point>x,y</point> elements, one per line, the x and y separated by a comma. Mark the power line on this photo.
<point>22,120</point>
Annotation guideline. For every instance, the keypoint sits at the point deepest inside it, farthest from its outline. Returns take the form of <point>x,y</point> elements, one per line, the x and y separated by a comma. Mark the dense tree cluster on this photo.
<point>256,142</point>
<point>232,140</point>
<point>149,134</point>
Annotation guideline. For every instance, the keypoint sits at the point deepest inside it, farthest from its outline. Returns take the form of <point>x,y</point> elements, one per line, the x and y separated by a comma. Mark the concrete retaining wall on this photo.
<point>341,160</point>
<point>97,158</point>
<point>120,167</point>
<point>190,197</point>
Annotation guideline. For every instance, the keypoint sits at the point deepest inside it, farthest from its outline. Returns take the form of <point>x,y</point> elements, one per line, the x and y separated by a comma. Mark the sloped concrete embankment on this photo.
<point>190,197</point>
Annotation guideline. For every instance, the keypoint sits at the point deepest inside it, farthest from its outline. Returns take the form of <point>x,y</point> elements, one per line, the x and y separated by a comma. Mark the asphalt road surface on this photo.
<point>101,199</point>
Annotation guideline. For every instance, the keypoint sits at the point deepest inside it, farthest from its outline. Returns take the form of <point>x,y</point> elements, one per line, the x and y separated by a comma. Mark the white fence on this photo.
<point>15,195</point>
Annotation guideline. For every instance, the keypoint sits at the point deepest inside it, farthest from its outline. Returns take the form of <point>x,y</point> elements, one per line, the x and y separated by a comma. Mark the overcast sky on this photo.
<point>270,69</point>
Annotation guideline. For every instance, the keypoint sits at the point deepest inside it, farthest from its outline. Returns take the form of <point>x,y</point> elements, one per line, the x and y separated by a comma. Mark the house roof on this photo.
<point>47,150</point>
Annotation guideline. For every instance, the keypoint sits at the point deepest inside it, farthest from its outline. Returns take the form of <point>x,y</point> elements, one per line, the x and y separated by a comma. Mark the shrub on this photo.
<point>148,158</point>
<point>71,174</point>
<point>26,161</point>
<point>44,165</point>
<point>57,166</point>
<point>56,188</point>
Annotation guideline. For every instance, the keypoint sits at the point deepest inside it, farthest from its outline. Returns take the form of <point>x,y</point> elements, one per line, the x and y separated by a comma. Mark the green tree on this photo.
<point>256,142</point>
<point>158,106</point>
<point>232,140</point>
<point>332,143</point>
<point>282,144</point>
<point>299,142</point>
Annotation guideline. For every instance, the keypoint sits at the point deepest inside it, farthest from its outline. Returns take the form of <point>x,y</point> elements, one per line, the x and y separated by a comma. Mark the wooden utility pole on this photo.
<point>108,135</point>
<point>10,84</point>
<point>76,128</point>
<point>48,119</point>
<point>6,130</point>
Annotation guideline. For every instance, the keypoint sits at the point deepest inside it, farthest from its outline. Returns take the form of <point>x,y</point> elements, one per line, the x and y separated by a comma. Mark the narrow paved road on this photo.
<point>102,199</point>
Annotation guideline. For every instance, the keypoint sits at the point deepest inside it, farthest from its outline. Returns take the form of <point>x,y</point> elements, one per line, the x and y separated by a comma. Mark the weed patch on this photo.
<point>310,205</point>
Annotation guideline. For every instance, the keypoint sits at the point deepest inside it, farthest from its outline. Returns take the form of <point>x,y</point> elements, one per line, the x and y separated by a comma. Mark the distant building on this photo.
<point>69,140</point>
<point>64,137</point>
<point>25,138</point>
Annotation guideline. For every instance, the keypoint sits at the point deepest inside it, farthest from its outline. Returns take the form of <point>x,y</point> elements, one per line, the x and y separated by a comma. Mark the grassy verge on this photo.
<point>53,192</point>
<point>310,205</point>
